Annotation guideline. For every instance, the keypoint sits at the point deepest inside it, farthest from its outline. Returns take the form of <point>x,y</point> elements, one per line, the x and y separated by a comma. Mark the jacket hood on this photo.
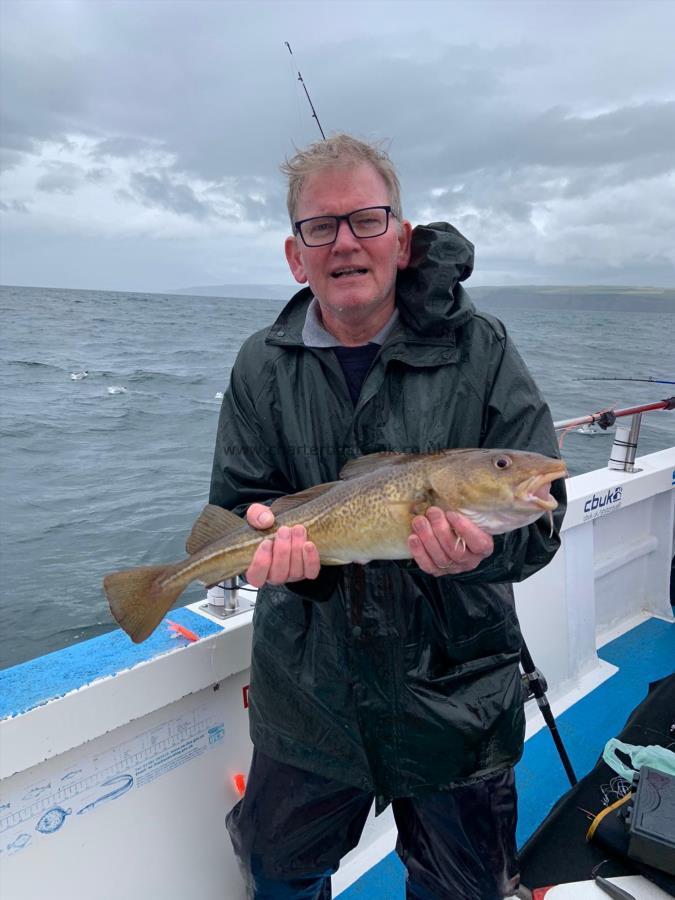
<point>430,299</point>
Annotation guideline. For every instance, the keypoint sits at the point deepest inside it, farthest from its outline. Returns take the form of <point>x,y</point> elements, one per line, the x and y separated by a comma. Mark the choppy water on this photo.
<point>110,470</point>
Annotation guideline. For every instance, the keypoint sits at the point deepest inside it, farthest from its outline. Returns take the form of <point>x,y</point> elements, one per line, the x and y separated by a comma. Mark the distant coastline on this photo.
<point>598,297</point>
<point>241,291</point>
<point>583,297</point>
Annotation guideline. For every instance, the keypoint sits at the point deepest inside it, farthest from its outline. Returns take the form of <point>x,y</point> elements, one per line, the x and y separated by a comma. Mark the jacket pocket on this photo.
<point>455,630</point>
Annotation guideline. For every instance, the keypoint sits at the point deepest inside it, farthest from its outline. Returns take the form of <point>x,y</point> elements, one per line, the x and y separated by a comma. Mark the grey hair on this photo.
<point>339,150</point>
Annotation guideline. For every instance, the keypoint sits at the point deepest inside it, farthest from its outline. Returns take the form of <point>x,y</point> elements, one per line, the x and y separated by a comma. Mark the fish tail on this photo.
<point>140,597</point>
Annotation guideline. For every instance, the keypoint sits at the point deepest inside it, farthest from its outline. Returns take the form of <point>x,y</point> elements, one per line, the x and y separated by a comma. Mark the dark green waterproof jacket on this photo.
<point>381,676</point>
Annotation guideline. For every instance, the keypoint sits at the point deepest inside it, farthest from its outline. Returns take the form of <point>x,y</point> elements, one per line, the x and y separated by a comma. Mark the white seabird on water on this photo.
<point>78,376</point>
<point>117,389</point>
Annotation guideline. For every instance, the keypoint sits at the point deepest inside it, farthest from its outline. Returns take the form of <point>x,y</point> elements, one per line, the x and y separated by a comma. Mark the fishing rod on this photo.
<point>309,99</point>
<point>607,417</point>
<point>649,379</point>
<point>537,688</point>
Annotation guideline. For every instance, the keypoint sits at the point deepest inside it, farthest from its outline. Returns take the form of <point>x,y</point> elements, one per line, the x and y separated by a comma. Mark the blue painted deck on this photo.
<point>642,655</point>
<point>42,679</point>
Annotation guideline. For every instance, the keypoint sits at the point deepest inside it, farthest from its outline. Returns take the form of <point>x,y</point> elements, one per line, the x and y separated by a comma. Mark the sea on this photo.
<point>108,418</point>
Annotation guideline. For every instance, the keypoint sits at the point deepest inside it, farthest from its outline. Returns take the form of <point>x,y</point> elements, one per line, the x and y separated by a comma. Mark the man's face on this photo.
<point>352,296</point>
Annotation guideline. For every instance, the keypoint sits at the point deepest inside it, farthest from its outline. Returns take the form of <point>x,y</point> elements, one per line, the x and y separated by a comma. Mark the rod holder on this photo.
<point>622,457</point>
<point>222,600</point>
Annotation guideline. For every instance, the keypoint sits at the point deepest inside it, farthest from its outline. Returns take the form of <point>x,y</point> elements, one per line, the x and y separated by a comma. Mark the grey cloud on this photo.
<point>512,102</point>
<point>121,146</point>
<point>99,174</point>
<point>9,158</point>
<point>639,139</point>
<point>629,133</point>
<point>61,177</point>
<point>585,181</point>
<point>248,199</point>
<point>13,206</point>
<point>160,191</point>
<point>260,199</point>
<point>505,177</point>
<point>448,105</point>
<point>581,270</point>
<point>42,97</point>
<point>240,109</point>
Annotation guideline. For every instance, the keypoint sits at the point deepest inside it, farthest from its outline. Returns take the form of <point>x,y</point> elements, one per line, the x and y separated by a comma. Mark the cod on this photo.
<point>366,515</point>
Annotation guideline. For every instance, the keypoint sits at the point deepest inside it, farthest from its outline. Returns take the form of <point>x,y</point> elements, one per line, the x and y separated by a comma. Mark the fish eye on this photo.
<point>503,462</point>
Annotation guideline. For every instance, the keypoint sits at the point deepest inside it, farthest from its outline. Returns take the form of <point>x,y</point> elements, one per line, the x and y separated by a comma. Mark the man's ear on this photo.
<point>404,241</point>
<point>294,259</point>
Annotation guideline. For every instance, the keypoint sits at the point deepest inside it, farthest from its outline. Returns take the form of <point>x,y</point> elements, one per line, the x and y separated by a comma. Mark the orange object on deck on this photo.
<point>239,783</point>
<point>182,631</point>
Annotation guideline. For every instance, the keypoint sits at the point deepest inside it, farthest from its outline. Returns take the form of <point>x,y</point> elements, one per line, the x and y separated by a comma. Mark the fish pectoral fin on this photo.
<point>416,505</point>
<point>213,523</point>
<point>292,501</point>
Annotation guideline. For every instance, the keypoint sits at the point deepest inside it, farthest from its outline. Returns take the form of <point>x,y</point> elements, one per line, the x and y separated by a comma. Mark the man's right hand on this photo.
<point>289,557</point>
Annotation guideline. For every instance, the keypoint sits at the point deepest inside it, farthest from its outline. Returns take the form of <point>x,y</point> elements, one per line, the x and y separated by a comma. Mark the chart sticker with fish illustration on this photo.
<point>44,809</point>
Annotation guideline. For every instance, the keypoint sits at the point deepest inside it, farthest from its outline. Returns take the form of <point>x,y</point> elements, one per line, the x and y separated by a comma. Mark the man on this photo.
<point>397,681</point>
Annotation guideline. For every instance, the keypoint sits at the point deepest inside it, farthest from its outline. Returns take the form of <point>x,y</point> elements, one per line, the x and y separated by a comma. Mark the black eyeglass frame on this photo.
<point>345,218</point>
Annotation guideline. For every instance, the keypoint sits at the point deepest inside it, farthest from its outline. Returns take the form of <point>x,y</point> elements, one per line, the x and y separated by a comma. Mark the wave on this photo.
<point>33,364</point>
<point>81,371</point>
<point>141,375</point>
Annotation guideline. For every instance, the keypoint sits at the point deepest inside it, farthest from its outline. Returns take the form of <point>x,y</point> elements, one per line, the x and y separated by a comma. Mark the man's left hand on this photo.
<point>447,543</point>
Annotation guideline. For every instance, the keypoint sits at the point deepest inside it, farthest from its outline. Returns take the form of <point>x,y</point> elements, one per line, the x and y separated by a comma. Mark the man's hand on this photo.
<point>447,543</point>
<point>289,557</point>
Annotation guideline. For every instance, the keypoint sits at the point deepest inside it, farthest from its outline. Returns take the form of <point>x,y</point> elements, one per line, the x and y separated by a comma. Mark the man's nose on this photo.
<point>345,239</point>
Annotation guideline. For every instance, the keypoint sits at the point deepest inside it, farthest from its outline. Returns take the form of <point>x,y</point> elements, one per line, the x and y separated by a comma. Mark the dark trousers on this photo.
<point>292,828</point>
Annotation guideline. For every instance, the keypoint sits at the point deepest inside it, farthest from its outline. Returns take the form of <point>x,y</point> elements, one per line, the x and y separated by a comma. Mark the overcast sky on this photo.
<point>140,141</point>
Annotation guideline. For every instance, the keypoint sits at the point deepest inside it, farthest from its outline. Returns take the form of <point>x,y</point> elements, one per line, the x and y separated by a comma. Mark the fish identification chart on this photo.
<point>44,808</point>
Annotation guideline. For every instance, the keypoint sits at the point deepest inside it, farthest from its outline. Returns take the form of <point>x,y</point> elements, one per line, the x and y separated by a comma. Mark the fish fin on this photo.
<point>416,506</point>
<point>373,462</point>
<point>292,501</point>
<point>213,523</point>
<point>138,600</point>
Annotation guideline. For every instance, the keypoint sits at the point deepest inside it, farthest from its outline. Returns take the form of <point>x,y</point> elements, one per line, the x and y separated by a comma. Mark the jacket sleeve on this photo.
<point>517,417</point>
<point>244,470</point>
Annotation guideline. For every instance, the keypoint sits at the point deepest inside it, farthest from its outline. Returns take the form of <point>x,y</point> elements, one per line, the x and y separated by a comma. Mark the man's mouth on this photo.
<point>347,271</point>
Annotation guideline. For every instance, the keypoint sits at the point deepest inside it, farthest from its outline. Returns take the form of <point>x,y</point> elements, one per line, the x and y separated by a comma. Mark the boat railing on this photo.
<point>624,448</point>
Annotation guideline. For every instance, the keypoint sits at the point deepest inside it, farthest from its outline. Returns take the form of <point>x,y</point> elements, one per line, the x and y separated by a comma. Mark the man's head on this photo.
<point>354,276</point>
<point>339,151</point>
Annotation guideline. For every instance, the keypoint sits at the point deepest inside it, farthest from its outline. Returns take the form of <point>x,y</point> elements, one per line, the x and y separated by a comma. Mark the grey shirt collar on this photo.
<point>315,335</point>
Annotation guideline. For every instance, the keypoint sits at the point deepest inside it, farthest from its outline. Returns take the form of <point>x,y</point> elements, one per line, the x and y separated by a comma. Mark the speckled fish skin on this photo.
<point>367,515</point>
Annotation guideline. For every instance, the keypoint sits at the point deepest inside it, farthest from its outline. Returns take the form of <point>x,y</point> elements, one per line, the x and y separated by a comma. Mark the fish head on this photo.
<point>499,490</point>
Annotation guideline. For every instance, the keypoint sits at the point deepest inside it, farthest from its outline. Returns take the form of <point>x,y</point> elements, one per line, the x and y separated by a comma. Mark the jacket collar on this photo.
<point>432,303</point>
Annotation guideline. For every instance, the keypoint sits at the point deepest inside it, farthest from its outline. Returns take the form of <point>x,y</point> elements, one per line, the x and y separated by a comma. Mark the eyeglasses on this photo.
<point>363,223</point>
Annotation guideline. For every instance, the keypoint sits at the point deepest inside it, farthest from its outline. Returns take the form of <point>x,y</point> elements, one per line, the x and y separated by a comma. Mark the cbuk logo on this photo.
<point>603,502</point>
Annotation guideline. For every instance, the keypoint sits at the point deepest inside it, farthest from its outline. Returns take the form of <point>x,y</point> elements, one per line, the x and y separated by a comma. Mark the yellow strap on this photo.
<point>601,815</point>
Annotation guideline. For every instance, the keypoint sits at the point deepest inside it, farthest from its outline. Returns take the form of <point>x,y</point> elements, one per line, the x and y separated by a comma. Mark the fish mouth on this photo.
<point>530,491</point>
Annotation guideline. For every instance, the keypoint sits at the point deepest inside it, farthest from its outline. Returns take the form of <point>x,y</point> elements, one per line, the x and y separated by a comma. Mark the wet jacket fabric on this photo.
<point>379,675</point>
